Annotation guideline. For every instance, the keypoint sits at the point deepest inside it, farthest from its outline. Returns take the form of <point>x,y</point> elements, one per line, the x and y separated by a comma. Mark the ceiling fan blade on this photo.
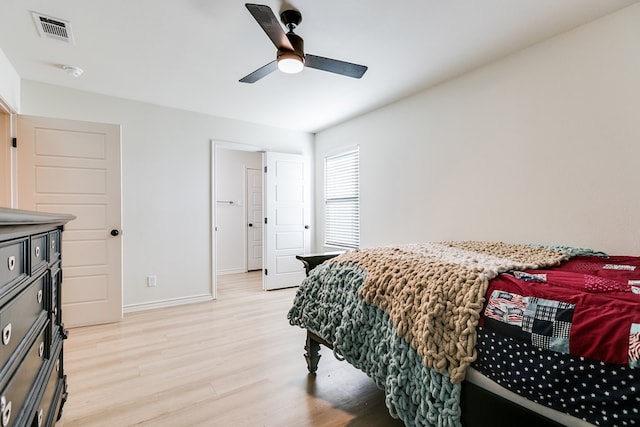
<point>260,72</point>
<point>269,23</point>
<point>334,66</point>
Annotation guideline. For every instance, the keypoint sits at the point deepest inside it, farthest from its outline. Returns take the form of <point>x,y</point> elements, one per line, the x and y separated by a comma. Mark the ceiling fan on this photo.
<point>290,56</point>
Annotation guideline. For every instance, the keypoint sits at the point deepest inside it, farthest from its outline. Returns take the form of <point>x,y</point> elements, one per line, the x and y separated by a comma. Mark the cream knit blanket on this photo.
<point>434,292</point>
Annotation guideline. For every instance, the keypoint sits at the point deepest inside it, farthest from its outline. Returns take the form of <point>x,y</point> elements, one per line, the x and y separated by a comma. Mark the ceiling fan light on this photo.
<point>290,63</point>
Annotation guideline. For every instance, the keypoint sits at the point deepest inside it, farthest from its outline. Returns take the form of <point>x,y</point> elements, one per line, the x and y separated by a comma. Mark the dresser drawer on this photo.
<point>13,263</point>
<point>19,315</point>
<point>46,410</point>
<point>55,246</point>
<point>53,303</point>
<point>39,248</point>
<point>15,393</point>
<point>54,289</point>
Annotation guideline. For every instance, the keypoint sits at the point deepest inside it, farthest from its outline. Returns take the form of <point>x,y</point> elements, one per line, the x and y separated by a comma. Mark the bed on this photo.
<point>443,327</point>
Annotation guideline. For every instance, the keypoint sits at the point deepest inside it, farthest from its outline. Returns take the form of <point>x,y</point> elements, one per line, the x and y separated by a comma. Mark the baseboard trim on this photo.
<point>232,271</point>
<point>132,308</point>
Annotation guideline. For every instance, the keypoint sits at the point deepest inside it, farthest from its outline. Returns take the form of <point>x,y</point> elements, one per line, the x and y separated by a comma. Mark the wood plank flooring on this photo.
<point>231,362</point>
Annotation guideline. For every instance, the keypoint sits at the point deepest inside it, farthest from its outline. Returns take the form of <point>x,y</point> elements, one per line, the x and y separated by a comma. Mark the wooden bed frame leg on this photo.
<point>312,354</point>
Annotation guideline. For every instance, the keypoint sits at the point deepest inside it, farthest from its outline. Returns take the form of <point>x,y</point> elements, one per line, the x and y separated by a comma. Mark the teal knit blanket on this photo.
<point>327,304</point>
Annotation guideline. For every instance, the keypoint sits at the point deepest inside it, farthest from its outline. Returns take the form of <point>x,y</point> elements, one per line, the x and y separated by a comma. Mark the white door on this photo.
<point>73,167</point>
<point>254,219</point>
<point>287,216</point>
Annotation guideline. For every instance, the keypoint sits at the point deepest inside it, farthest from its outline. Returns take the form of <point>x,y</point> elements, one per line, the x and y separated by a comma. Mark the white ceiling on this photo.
<point>190,54</point>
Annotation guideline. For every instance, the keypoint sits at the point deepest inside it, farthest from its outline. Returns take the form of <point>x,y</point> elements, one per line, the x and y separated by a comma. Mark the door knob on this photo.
<point>250,225</point>
<point>115,232</point>
<point>306,227</point>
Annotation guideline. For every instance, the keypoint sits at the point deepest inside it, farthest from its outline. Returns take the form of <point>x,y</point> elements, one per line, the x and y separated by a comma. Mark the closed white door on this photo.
<point>73,167</point>
<point>254,219</point>
<point>287,218</point>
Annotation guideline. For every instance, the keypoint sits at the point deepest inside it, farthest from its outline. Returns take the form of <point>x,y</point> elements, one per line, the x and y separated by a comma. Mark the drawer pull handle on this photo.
<point>40,417</point>
<point>55,311</point>
<point>37,251</point>
<point>5,408</point>
<point>6,334</point>
<point>11,262</point>
<point>39,297</point>
<point>41,349</point>
<point>58,365</point>
<point>53,245</point>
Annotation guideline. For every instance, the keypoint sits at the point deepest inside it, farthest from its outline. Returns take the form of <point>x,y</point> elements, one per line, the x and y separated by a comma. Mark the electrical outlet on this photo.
<point>151,281</point>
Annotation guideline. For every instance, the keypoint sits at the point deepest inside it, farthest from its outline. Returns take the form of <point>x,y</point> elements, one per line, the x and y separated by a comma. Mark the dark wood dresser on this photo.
<point>32,380</point>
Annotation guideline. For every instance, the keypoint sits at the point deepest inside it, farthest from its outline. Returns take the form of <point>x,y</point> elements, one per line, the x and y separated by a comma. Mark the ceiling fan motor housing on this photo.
<point>298,46</point>
<point>290,18</point>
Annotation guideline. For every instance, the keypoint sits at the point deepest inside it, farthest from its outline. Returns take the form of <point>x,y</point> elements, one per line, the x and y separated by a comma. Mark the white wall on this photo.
<point>230,182</point>
<point>9,104</point>
<point>541,146</point>
<point>166,168</point>
<point>9,85</point>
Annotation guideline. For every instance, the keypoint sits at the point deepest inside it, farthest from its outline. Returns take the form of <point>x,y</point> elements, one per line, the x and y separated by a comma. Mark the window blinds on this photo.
<point>342,199</point>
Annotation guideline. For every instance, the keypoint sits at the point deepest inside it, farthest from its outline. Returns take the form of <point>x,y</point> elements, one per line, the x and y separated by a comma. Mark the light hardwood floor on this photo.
<point>232,362</point>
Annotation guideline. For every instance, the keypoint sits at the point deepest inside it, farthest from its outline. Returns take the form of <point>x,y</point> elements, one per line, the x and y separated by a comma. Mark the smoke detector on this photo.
<point>72,70</point>
<point>53,28</point>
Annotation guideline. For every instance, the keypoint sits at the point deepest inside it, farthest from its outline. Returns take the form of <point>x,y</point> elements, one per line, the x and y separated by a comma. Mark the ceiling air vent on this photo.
<point>53,28</point>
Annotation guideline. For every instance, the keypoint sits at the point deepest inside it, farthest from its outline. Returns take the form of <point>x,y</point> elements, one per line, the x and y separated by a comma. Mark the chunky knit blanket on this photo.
<point>407,316</point>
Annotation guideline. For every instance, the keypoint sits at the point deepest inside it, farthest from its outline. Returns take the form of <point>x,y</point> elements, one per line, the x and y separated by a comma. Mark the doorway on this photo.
<point>284,214</point>
<point>238,205</point>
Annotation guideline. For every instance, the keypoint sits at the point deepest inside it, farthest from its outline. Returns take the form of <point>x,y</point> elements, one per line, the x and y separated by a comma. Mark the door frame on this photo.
<point>8,159</point>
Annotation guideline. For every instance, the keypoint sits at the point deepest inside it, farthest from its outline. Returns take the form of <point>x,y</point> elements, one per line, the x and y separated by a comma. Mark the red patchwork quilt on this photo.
<point>589,306</point>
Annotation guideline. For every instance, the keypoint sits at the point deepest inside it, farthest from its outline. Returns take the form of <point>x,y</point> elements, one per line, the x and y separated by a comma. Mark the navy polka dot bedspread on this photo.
<point>600,393</point>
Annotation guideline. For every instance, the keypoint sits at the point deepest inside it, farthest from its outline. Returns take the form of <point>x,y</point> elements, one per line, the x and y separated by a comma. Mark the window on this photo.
<point>342,199</point>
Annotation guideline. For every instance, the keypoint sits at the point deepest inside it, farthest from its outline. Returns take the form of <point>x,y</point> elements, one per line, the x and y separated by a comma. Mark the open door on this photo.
<point>287,208</point>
